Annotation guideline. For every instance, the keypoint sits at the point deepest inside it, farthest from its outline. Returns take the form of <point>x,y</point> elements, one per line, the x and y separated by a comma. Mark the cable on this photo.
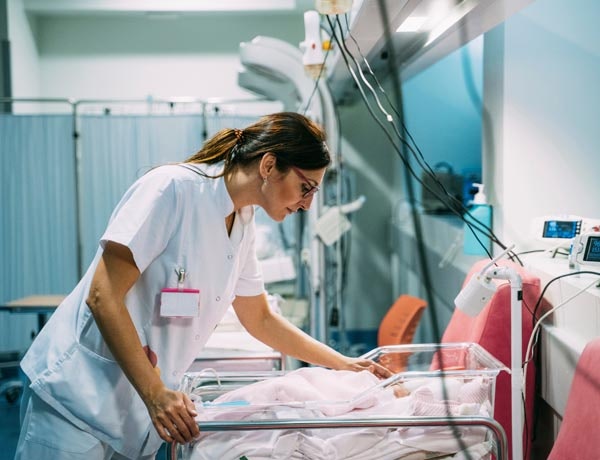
<point>535,333</point>
<point>420,159</point>
<point>533,339</point>
<point>316,84</point>
<point>422,162</point>
<point>541,297</point>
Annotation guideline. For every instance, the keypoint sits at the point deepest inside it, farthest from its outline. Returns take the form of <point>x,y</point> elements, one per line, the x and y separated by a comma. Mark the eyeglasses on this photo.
<point>310,189</point>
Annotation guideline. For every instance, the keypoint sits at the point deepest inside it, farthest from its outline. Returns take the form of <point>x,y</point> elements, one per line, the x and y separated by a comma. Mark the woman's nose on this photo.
<point>306,202</point>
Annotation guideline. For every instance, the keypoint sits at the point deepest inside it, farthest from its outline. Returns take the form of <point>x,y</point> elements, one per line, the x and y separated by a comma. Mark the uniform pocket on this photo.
<point>48,428</point>
<point>92,388</point>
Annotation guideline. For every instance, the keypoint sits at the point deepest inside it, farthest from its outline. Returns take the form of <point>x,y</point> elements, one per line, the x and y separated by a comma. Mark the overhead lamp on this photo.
<point>333,6</point>
<point>313,58</point>
<point>471,300</point>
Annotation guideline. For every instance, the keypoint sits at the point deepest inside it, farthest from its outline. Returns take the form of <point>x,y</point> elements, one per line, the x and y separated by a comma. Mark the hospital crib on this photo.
<point>448,427</point>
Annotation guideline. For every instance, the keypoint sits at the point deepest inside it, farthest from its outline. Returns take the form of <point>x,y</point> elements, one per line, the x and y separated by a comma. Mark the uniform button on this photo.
<point>229,256</point>
<point>197,337</point>
<point>218,299</point>
<point>175,373</point>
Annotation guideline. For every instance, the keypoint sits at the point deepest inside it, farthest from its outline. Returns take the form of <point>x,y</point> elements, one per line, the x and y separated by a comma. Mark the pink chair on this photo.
<point>578,437</point>
<point>491,330</point>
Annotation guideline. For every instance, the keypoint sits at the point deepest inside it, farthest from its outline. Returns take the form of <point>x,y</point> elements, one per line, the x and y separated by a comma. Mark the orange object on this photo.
<point>398,327</point>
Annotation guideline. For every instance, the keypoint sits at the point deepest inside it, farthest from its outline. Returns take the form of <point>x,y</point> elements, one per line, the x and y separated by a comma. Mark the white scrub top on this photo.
<point>171,218</point>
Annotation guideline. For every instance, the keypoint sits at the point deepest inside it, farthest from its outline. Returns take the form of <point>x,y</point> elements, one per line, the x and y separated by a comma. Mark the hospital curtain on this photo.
<point>38,237</point>
<point>38,219</point>
<point>116,150</point>
<point>217,121</point>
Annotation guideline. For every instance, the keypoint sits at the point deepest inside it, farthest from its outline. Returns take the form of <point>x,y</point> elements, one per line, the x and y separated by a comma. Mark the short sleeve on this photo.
<point>145,218</point>
<point>250,281</point>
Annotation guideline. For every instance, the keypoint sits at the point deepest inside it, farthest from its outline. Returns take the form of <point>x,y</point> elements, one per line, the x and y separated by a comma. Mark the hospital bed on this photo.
<point>440,405</point>
<point>231,348</point>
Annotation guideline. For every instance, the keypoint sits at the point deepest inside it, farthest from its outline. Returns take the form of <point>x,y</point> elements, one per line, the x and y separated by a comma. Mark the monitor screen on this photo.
<point>561,228</point>
<point>592,249</point>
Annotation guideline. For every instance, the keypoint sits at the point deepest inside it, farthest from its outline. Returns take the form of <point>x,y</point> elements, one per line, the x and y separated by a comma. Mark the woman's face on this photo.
<point>286,193</point>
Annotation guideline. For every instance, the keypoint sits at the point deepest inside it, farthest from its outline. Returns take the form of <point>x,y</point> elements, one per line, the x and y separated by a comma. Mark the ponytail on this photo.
<point>291,137</point>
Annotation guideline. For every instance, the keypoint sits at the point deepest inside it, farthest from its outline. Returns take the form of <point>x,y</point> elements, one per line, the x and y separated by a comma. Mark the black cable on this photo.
<point>420,159</point>
<point>427,168</point>
<point>541,297</point>
<point>534,355</point>
<point>403,158</point>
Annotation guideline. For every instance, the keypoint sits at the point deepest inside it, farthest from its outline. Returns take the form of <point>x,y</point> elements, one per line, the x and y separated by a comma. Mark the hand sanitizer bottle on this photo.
<point>482,212</point>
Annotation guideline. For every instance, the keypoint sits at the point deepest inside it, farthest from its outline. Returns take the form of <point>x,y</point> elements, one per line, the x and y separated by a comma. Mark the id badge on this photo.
<point>180,302</point>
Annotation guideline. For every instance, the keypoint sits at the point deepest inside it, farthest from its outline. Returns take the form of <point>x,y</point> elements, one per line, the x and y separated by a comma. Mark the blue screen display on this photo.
<point>592,249</point>
<point>561,229</point>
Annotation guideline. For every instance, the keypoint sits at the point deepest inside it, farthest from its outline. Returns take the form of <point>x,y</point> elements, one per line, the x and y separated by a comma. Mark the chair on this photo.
<point>578,435</point>
<point>398,327</point>
<point>491,329</point>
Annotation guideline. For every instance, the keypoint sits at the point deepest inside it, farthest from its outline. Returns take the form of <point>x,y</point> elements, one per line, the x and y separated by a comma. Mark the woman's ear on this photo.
<point>267,165</point>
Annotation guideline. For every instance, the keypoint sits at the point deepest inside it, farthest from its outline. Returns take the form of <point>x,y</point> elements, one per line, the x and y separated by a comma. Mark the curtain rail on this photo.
<point>75,104</point>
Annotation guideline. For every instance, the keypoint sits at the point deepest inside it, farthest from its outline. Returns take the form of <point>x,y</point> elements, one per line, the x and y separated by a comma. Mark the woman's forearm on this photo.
<point>278,333</point>
<point>106,302</point>
<point>118,331</point>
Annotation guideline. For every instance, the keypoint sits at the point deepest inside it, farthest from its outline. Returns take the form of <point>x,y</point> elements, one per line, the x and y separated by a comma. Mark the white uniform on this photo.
<point>171,218</point>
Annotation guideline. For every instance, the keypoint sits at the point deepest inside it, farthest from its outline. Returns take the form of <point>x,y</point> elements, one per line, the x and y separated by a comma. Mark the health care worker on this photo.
<point>178,250</point>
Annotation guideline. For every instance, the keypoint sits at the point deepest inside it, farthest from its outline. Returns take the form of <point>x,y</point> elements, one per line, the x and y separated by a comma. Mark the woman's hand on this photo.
<point>172,414</point>
<point>361,364</point>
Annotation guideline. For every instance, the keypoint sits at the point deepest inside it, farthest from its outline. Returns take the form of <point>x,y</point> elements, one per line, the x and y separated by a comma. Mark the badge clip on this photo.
<point>180,302</point>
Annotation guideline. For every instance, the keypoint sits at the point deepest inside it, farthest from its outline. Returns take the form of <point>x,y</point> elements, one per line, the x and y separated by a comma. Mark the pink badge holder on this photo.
<point>180,302</point>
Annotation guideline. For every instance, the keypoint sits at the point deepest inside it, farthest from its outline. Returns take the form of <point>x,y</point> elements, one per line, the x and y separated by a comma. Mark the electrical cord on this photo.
<point>475,222</point>
<point>316,86</point>
<point>534,338</point>
<point>416,221</point>
<point>538,303</point>
<point>417,153</point>
<point>541,297</point>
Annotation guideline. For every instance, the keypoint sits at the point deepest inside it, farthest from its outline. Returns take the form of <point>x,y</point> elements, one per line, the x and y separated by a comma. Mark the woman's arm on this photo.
<point>277,332</point>
<point>172,413</point>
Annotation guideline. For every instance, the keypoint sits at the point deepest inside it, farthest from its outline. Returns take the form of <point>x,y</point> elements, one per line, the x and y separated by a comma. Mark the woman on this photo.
<point>178,250</point>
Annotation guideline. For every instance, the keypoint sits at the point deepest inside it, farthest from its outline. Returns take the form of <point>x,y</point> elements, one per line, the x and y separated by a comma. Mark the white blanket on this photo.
<point>317,393</point>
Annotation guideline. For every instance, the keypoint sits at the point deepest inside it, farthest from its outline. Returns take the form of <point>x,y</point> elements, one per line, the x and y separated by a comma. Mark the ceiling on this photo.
<point>129,7</point>
<point>446,25</point>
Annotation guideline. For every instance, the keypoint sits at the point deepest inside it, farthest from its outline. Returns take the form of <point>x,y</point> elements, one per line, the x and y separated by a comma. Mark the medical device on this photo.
<point>559,230</point>
<point>472,299</point>
<point>585,250</point>
<point>313,57</point>
<point>556,229</point>
<point>333,6</point>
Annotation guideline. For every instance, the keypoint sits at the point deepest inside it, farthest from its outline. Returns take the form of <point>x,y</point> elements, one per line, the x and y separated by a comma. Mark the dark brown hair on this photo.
<point>292,138</point>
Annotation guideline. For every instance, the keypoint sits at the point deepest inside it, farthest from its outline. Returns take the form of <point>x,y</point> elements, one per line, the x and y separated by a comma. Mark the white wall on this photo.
<point>25,68</point>
<point>136,56</point>
<point>545,104</point>
<point>541,87</point>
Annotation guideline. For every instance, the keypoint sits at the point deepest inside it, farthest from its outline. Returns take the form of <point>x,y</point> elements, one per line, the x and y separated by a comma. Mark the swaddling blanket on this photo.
<point>317,393</point>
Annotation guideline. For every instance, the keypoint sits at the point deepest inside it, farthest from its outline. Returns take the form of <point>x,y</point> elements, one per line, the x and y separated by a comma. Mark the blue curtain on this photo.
<point>38,222</point>
<point>115,151</point>
<point>217,121</point>
<point>38,230</point>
